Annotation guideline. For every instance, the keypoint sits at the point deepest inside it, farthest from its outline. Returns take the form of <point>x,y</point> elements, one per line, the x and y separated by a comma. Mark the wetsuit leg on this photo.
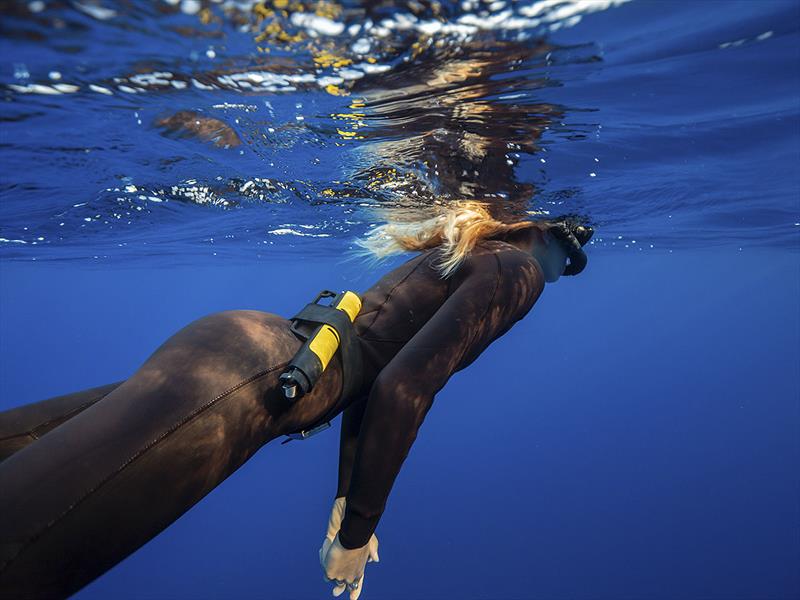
<point>25,424</point>
<point>94,489</point>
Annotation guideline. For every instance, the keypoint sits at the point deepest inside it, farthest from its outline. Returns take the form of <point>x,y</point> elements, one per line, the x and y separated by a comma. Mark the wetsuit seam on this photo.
<point>69,415</point>
<point>138,454</point>
<point>30,434</point>
<point>389,295</point>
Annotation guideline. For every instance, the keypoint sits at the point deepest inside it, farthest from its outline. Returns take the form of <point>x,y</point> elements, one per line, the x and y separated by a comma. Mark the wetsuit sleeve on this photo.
<point>403,392</point>
<point>348,442</point>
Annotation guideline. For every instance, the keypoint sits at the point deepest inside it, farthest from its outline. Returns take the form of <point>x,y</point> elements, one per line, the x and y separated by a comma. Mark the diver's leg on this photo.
<point>106,481</point>
<point>23,425</point>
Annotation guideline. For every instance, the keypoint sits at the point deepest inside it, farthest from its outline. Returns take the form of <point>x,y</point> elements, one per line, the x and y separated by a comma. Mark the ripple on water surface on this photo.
<point>244,128</point>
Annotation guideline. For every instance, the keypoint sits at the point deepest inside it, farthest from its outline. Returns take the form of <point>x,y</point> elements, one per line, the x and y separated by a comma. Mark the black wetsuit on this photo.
<point>90,477</point>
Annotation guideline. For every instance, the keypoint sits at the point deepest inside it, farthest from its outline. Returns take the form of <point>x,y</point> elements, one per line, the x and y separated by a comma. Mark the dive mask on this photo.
<point>574,236</point>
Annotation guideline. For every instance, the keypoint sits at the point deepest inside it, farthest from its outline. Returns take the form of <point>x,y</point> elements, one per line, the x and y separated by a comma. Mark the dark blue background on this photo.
<point>635,436</point>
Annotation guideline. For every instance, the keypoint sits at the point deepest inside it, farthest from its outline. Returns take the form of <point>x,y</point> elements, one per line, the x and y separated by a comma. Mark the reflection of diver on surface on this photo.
<point>446,123</point>
<point>90,477</point>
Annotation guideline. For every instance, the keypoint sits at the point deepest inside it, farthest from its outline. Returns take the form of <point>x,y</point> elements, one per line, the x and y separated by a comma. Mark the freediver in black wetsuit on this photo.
<point>88,478</point>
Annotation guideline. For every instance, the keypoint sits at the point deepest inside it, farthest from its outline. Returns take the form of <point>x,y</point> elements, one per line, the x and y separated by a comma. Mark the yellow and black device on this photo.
<point>326,329</point>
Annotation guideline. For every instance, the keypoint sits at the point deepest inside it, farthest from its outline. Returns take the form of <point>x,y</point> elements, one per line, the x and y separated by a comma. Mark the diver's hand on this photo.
<point>335,520</point>
<point>334,524</point>
<point>346,567</point>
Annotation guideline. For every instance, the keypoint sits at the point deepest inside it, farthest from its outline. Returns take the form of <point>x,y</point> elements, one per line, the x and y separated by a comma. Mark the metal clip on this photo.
<point>306,433</point>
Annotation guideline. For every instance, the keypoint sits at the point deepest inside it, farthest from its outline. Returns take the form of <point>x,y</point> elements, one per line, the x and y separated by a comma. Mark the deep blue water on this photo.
<point>643,441</point>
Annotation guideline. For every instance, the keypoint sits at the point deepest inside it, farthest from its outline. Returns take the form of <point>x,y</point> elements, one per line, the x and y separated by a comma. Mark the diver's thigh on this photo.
<point>103,483</point>
<point>25,424</point>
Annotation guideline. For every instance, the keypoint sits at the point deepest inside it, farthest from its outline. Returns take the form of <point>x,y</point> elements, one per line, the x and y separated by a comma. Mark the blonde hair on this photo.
<point>455,231</point>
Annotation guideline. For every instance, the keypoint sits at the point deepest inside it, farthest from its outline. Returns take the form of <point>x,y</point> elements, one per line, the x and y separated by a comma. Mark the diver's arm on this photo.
<point>475,314</point>
<point>348,441</point>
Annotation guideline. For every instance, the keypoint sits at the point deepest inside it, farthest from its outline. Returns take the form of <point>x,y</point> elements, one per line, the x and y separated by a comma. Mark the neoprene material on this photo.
<point>150,448</point>
<point>411,348</point>
<point>26,424</point>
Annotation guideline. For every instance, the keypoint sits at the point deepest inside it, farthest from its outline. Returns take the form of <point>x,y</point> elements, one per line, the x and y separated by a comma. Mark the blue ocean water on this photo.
<point>636,436</point>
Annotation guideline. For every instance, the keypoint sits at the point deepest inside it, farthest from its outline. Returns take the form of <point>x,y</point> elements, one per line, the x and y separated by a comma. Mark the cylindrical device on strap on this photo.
<point>329,324</point>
